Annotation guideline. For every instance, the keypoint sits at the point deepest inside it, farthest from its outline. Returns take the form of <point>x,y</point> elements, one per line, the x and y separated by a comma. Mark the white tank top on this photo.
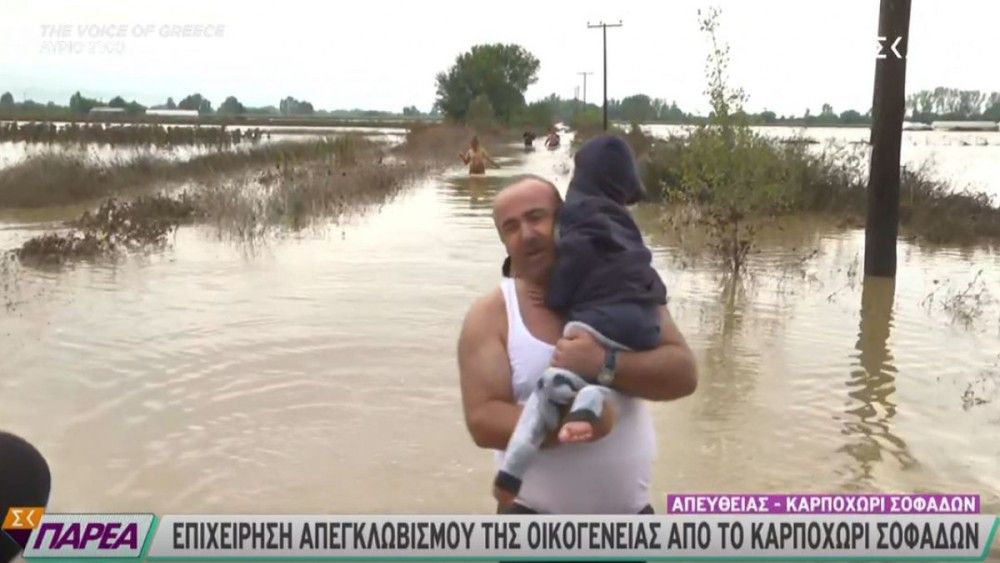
<point>608,476</point>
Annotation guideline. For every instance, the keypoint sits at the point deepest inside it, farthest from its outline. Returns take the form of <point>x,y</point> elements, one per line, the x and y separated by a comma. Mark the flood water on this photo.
<point>966,159</point>
<point>15,152</point>
<point>316,372</point>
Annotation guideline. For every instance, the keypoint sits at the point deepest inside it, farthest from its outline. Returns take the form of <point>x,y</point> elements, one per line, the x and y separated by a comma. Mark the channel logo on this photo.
<point>19,522</point>
<point>77,535</point>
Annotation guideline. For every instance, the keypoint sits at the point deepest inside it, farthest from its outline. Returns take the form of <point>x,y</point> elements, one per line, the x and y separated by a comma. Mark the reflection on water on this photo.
<point>871,386</point>
<point>725,354</point>
<point>317,373</point>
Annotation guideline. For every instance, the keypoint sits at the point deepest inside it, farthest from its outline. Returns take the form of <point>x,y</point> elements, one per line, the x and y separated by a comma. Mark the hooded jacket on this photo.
<point>600,256</point>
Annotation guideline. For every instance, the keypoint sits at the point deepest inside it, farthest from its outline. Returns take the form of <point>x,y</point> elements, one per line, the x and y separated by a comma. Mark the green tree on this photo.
<point>542,113</point>
<point>411,111</point>
<point>992,108</point>
<point>637,109</point>
<point>231,106</point>
<point>171,104</point>
<point>851,117</point>
<point>291,106</point>
<point>500,72</point>
<point>481,113</point>
<point>134,108</point>
<point>826,115</point>
<point>808,117</point>
<point>674,114</point>
<point>196,102</point>
<point>131,108</point>
<point>80,104</point>
<point>727,168</point>
<point>7,100</point>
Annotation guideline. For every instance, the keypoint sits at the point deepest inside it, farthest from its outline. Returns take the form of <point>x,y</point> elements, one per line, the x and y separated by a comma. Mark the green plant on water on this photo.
<point>724,167</point>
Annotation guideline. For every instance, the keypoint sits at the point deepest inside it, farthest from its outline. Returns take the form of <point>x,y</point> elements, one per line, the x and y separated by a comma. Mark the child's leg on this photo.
<point>583,416</point>
<point>540,415</point>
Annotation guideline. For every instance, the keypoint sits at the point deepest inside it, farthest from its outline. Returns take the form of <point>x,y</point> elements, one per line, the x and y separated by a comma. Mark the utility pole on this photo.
<point>888,111</point>
<point>604,30</point>
<point>584,75</point>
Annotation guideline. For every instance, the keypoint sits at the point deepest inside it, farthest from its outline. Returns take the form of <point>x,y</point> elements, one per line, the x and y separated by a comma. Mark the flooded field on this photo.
<point>968,159</point>
<point>14,152</point>
<point>315,371</point>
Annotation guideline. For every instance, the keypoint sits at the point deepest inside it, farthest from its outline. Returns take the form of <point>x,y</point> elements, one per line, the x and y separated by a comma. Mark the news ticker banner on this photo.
<point>706,527</point>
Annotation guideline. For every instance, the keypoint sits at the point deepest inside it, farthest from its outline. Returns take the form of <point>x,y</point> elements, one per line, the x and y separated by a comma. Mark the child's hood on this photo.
<point>605,167</point>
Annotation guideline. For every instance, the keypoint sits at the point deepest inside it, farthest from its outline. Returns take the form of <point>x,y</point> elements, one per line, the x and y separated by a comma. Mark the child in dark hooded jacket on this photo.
<point>603,282</point>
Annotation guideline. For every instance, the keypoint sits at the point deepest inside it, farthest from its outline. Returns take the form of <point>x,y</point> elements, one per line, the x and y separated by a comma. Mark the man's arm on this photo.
<point>484,375</point>
<point>489,159</point>
<point>664,373</point>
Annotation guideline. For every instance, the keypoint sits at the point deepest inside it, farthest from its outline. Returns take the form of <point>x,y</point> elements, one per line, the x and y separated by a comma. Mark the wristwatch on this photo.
<point>607,374</point>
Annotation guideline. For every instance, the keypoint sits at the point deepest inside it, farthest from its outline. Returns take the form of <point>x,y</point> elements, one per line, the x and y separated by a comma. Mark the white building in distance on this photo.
<point>173,112</point>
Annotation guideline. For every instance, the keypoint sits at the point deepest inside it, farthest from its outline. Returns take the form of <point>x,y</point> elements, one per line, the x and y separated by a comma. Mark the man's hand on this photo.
<point>664,373</point>
<point>580,353</point>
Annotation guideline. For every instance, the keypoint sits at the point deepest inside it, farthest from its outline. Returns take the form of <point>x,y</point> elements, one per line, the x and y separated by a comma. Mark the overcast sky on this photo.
<point>376,54</point>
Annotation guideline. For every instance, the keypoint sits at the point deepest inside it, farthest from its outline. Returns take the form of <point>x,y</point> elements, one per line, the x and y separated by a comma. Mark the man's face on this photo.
<point>524,214</point>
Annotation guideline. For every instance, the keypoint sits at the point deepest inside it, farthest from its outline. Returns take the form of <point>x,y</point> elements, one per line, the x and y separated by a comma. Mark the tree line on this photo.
<point>486,84</point>
<point>231,106</point>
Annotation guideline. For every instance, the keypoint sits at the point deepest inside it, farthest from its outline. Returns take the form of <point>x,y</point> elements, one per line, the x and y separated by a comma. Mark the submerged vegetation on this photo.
<point>244,194</point>
<point>116,226</point>
<point>56,177</point>
<point>127,134</point>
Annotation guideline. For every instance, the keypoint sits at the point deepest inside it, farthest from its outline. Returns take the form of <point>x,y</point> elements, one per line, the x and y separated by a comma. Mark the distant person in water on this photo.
<point>529,140</point>
<point>552,140</point>
<point>477,157</point>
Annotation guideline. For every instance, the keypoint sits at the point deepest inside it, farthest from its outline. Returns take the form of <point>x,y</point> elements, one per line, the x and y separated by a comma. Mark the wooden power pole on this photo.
<point>888,111</point>
<point>584,75</point>
<point>604,28</point>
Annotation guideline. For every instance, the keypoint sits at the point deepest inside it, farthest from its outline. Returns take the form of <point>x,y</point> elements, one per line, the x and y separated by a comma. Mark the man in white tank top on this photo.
<point>509,338</point>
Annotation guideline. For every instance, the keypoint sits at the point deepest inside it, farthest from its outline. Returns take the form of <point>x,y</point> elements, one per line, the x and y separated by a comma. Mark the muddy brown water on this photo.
<point>315,372</point>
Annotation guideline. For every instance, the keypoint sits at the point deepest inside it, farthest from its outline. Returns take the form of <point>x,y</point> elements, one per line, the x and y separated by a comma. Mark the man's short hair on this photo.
<point>522,177</point>
<point>555,190</point>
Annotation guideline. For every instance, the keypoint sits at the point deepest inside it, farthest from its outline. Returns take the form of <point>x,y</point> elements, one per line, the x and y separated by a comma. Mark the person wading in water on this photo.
<point>477,157</point>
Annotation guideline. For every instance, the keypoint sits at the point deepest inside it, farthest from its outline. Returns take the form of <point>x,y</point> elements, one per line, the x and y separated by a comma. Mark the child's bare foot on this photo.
<point>576,431</point>
<point>503,496</point>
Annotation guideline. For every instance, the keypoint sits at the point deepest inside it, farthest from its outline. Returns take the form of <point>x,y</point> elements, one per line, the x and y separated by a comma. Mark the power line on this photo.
<point>604,31</point>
